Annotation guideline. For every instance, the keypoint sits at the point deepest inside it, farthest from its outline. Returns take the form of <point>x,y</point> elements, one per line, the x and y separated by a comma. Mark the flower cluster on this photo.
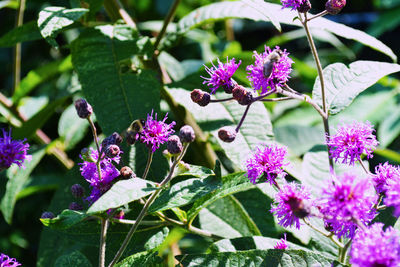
<point>376,247</point>
<point>6,261</point>
<point>351,141</point>
<point>292,203</point>
<point>281,67</point>
<point>12,151</point>
<point>155,133</point>
<point>266,161</point>
<point>385,174</point>
<point>221,76</point>
<point>347,201</point>
<point>293,4</point>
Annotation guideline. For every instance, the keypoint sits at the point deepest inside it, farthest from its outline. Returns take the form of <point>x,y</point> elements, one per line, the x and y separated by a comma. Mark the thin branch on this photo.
<point>328,235</point>
<point>124,15</point>
<point>323,13</point>
<point>103,236</point>
<point>125,221</point>
<point>221,100</point>
<point>363,166</point>
<point>243,117</point>
<point>167,20</point>
<point>17,51</point>
<point>148,164</point>
<point>276,99</point>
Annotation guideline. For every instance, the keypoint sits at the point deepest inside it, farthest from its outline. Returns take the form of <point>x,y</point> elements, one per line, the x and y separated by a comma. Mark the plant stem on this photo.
<point>343,252</point>
<point>221,100</point>
<point>328,235</point>
<point>243,117</point>
<point>17,51</point>
<point>149,160</point>
<point>167,20</point>
<point>363,166</point>
<point>94,133</point>
<point>323,13</point>
<point>124,15</point>
<point>276,99</point>
<point>146,206</point>
<point>103,236</point>
<point>322,83</point>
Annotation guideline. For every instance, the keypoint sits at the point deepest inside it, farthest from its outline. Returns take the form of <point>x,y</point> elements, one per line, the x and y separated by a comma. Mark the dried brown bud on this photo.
<point>227,134</point>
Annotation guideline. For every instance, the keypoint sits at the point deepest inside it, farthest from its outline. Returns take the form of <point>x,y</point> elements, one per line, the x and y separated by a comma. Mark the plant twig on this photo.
<point>149,160</point>
<point>146,206</point>
<point>363,166</point>
<point>243,117</point>
<point>328,235</point>
<point>276,99</point>
<point>221,100</point>
<point>17,51</point>
<point>167,20</point>
<point>323,13</point>
<point>103,236</point>
<point>124,15</point>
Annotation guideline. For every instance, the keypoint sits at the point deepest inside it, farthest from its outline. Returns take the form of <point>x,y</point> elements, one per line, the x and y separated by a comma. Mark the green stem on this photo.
<point>149,160</point>
<point>146,206</point>
<point>328,235</point>
<point>17,52</point>
<point>103,236</point>
<point>167,20</point>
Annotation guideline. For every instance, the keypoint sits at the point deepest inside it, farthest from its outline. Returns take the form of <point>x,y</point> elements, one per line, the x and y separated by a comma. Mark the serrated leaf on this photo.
<point>54,19</point>
<point>121,193</point>
<point>343,84</point>
<point>231,184</point>
<point>256,258</point>
<point>17,178</point>
<point>74,258</point>
<point>185,192</point>
<point>145,258</point>
<point>238,9</point>
<point>66,219</point>
<point>26,32</point>
<point>226,217</point>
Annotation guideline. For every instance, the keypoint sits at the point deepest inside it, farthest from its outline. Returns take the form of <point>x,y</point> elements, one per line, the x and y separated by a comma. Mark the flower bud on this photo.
<point>112,151</point>
<point>77,191</point>
<point>83,108</point>
<point>174,145</point>
<point>227,134</point>
<point>228,87</point>
<point>246,99</point>
<point>114,139</point>
<point>238,92</point>
<point>127,173</point>
<point>304,7</point>
<point>200,97</point>
<point>186,134</point>
<point>47,215</point>
<point>334,6</point>
<point>75,206</point>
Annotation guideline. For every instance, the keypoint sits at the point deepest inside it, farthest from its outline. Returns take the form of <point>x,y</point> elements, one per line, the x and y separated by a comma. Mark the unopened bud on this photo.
<point>127,173</point>
<point>174,145</point>
<point>77,191</point>
<point>75,206</point>
<point>238,92</point>
<point>186,134</point>
<point>200,97</point>
<point>83,108</point>
<point>112,151</point>
<point>228,88</point>
<point>334,6</point>
<point>47,215</point>
<point>114,139</point>
<point>246,99</point>
<point>304,7</point>
<point>227,134</point>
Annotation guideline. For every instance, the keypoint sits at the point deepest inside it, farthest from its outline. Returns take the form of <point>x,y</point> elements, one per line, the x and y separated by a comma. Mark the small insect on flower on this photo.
<point>134,130</point>
<point>270,61</point>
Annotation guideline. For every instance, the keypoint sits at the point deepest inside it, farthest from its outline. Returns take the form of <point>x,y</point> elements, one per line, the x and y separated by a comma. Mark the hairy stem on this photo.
<point>103,236</point>
<point>167,20</point>
<point>149,160</point>
<point>146,206</point>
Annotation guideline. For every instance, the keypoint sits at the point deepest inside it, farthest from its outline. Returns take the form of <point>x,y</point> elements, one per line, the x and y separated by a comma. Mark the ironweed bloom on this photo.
<point>221,75</point>
<point>384,173</point>
<point>6,261</point>
<point>281,244</point>
<point>12,151</point>
<point>278,74</point>
<point>376,247</point>
<point>393,195</point>
<point>345,202</point>
<point>292,203</point>
<point>293,4</point>
<point>351,141</point>
<point>266,161</point>
<point>155,133</point>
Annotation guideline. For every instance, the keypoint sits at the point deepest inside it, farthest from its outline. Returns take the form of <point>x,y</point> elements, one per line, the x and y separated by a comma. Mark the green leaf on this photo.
<point>226,217</point>
<point>121,193</point>
<point>74,258</point>
<point>66,219</point>
<point>54,19</point>
<point>40,75</point>
<point>145,258</point>
<point>71,128</point>
<point>185,169</point>
<point>185,192</point>
<point>389,154</point>
<point>27,32</point>
<point>16,180</point>
<point>238,9</point>
<point>389,128</point>
<point>343,84</point>
<point>255,258</point>
<point>231,184</point>
<point>38,120</point>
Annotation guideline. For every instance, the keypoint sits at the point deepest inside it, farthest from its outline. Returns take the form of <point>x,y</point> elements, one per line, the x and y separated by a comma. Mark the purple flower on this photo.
<point>383,174</point>
<point>281,244</point>
<point>155,133</point>
<point>108,173</point>
<point>292,203</point>
<point>294,4</point>
<point>267,161</point>
<point>221,75</point>
<point>375,247</point>
<point>351,141</point>
<point>279,73</point>
<point>6,261</point>
<point>345,201</point>
<point>12,151</point>
<point>393,195</point>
